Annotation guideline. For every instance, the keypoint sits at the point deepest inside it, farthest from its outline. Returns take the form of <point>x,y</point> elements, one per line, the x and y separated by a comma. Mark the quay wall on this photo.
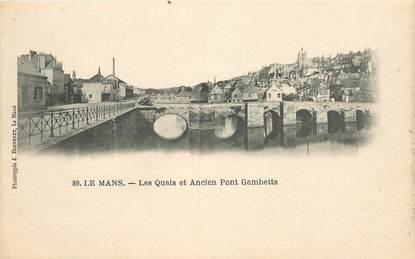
<point>107,135</point>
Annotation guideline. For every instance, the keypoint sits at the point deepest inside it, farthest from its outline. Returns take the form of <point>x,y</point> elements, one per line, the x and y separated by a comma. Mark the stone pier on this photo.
<point>255,132</point>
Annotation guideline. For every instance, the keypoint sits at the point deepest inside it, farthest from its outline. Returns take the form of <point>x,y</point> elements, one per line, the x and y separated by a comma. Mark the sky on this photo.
<point>158,45</point>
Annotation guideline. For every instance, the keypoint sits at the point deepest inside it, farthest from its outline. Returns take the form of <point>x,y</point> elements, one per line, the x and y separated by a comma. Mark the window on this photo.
<point>279,95</point>
<point>38,93</point>
<point>90,96</point>
<point>269,95</point>
<point>35,94</point>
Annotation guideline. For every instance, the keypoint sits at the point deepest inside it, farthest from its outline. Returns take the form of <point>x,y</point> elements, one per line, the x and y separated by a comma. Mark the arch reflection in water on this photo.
<point>170,126</point>
<point>272,123</point>
<point>226,127</point>
<point>268,125</point>
<point>304,123</point>
<point>334,121</point>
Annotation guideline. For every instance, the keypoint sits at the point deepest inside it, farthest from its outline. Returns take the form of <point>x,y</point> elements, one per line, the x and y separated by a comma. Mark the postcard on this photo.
<point>207,129</point>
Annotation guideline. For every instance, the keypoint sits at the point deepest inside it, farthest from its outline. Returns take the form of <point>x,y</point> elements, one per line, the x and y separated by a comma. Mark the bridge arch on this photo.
<point>180,111</point>
<point>272,123</point>
<point>228,126</point>
<point>304,122</point>
<point>170,126</point>
<point>335,121</point>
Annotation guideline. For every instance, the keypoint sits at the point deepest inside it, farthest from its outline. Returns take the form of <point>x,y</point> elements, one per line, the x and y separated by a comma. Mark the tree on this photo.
<point>290,97</point>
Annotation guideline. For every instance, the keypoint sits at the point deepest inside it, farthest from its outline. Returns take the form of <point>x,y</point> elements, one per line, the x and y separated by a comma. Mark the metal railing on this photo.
<point>35,129</point>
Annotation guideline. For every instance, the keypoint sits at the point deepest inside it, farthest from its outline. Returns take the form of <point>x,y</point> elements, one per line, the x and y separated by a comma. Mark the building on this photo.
<point>129,91</point>
<point>302,58</point>
<point>184,96</point>
<point>315,89</point>
<point>216,95</point>
<point>323,95</point>
<point>227,90</point>
<point>250,94</point>
<point>274,94</point>
<point>349,87</point>
<point>104,89</point>
<point>96,89</point>
<point>70,87</point>
<point>197,95</point>
<point>122,91</point>
<point>201,92</point>
<point>236,96</point>
<point>79,96</point>
<point>96,92</point>
<point>98,77</point>
<point>113,89</point>
<point>119,87</point>
<point>48,66</point>
<point>53,70</point>
<point>31,87</point>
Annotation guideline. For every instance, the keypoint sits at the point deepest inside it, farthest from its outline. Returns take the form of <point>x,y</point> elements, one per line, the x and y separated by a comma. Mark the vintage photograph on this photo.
<point>313,103</point>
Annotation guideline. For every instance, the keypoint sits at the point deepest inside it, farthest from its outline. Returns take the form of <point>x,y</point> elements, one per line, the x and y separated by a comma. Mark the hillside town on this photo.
<point>343,78</point>
<point>54,103</point>
<point>42,83</point>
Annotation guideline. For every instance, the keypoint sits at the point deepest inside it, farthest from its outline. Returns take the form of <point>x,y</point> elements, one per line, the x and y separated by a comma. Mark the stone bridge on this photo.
<point>253,113</point>
<point>286,122</point>
<point>194,114</point>
<point>320,110</point>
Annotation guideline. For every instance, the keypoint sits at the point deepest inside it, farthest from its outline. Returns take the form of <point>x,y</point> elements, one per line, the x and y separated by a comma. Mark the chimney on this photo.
<point>32,54</point>
<point>113,66</point>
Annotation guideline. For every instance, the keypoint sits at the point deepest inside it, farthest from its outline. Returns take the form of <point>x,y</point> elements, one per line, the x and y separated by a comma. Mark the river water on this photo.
<point>171,132</point>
